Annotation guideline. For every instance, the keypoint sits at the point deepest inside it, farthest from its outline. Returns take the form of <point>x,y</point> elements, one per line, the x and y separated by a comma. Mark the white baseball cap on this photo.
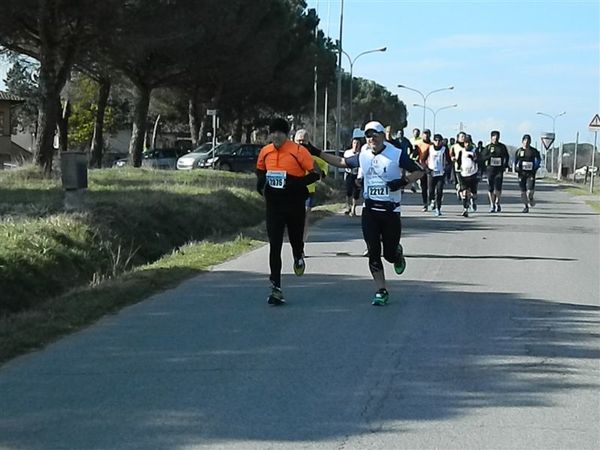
<point>375,126</point>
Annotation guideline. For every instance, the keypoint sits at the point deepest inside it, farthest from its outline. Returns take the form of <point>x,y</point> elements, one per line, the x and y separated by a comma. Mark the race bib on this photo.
<point>437,173</point>
<point>276,178</point>
<point>527,165</point>
<point>495,162</point>
<point>378,190</point>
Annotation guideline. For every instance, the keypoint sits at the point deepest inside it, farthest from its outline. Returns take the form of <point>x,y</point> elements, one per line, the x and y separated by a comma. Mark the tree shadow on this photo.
<point>210,363</point>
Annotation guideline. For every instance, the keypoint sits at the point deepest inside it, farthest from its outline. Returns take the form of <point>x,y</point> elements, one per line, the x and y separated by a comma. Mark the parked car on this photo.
<point>156,158</point>
<point>195,159</point>
<point>585,171</point>
<point>235,157</point>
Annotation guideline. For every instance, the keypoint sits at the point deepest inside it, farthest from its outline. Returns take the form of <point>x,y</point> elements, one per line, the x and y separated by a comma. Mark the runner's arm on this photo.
<point>537,162</point>
<point>337,161</point>
<point>261,180</point>
<point>415,172</point>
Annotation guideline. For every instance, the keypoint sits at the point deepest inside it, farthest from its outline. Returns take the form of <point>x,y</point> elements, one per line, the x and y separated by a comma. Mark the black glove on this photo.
<point>311,177</point>
<point>261,180</point>
<point>312,149</point>
<point>397,184</point>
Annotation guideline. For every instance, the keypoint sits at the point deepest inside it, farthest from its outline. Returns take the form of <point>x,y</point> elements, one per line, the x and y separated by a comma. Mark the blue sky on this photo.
<point>507,60</point>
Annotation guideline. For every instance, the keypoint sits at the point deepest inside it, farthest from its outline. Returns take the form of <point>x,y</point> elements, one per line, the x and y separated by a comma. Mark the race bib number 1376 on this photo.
<point>276,178</point>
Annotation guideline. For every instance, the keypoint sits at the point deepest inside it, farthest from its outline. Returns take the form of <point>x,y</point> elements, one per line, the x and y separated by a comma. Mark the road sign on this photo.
<point>595,123</point>
<point>547,140</point>
<point>211,112</point>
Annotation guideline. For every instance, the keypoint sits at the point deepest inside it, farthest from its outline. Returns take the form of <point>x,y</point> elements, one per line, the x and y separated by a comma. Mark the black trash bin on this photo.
<point>564,171</point>
<point>73,166</point>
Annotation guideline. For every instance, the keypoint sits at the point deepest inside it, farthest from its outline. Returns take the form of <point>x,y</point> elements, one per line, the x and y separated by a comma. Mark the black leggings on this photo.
<point>282,214</point>
<point>436,189</point>
<point>381,227</point>
<point>424,189</point>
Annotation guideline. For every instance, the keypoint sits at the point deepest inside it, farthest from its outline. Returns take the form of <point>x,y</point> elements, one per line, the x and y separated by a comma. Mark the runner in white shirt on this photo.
<point>380,166</point>
<point>466,163</point>
<point>352,189</point>
<point>437,159</point>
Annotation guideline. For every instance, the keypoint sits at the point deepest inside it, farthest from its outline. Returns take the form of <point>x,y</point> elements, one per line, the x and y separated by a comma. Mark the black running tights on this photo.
<point>280,215</point>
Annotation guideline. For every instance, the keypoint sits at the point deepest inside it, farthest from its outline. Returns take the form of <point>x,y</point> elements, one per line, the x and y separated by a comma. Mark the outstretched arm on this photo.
<point>337,161</point>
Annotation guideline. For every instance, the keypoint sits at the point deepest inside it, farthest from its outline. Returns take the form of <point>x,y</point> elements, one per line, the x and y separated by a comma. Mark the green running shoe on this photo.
<point>381,297</point>
<point>400,264</point>
<point>299,266</point>
<point>276,297</point>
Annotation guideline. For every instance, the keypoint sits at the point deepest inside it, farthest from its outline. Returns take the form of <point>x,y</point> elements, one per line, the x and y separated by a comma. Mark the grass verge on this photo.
<point>583,191</point>
<point>128,245</point>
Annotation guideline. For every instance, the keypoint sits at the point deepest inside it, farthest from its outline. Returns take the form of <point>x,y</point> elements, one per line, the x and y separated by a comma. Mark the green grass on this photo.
<point>591,199</point>
<point>141,232</point>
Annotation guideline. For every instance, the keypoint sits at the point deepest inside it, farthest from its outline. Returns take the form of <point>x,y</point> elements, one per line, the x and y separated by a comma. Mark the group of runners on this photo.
<point>380,166</point>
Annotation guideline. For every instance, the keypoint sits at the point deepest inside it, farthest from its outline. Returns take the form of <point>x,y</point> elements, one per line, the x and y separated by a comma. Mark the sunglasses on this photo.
<point>370,134</point>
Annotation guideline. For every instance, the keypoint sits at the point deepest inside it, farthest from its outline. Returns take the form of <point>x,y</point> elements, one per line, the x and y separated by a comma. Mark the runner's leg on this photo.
<point>294,219</point>
<point>275,230</point>
<point>371,228</point>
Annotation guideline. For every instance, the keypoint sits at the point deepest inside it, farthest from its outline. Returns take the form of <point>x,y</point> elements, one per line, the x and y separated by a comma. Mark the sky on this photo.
<point>507,60</point>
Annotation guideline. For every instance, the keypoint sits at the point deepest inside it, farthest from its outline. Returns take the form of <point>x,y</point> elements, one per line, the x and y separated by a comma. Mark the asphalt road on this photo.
<point>490,341</point>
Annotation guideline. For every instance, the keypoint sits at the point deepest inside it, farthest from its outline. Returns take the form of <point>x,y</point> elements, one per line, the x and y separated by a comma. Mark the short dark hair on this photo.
<point>495,133</point>
<point>279,124</point>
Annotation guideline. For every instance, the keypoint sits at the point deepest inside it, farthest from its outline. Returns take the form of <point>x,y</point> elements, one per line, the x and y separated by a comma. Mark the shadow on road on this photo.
<point>215,364</point>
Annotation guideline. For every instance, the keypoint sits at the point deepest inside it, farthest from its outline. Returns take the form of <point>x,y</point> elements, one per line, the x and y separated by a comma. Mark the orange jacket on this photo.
<point>291,157</point>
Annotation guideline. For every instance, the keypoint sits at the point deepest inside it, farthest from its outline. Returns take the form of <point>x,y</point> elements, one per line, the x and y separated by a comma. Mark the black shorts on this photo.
<point>495,178</point>
<point>527,181</point>
<point>352,190</point>
<point>469,183</point>
<point>381,227</point>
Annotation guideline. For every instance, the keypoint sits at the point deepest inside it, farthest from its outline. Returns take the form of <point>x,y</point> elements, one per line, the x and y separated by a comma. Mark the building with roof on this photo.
<point>10,152</point>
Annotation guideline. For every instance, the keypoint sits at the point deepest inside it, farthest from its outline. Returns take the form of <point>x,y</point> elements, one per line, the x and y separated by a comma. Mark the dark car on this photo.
<point>235,157</point>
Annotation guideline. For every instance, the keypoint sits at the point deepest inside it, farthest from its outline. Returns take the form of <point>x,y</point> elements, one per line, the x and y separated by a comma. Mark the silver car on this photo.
<point>196,158</point>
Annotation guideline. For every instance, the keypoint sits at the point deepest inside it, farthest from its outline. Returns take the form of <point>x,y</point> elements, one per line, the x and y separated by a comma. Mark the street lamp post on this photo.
<point>434,112</point>
<point>553,132</point>
<point>352,61</point>
<point>424,96</point>
<point>339,88</point>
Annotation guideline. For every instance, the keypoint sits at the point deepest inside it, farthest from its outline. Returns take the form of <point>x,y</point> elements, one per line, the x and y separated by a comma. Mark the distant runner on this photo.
<point>302,137</point>
<point>352,189</point>
<point>422,149</point>
<point>437,160</point>
<point>527,162</point>
<point>495,159</point>
<point>466,164</point>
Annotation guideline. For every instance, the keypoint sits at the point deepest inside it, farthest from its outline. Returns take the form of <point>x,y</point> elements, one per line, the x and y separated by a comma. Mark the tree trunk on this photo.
<point>193,119</point>
<point>239,127</point>
<point>56,61</point>
<point>249,129</point>
<point>62,123</point>
<point>138,132</point>
<point>205,124</point>
<point>47,119</point>
<point>97,149</point>
<point>155,131</point>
